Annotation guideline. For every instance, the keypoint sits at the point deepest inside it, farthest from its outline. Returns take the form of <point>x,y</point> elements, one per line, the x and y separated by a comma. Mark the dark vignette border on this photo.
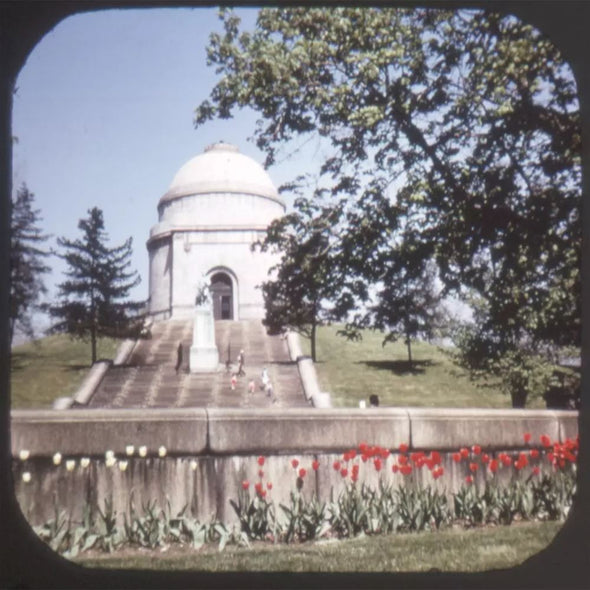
<point>26,562</point>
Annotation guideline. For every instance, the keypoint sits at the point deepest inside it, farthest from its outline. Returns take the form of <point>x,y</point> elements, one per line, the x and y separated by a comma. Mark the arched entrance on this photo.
<point>222,295</point>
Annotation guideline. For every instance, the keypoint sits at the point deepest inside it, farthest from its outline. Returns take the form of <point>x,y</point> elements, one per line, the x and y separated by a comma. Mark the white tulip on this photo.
<point>122,465</point>
<point>162,451</point>
<point>57,458</point>
<point>70,464</point>
<point>193,465</point>
<point>84,462</point>
<point>129,449</point>
<point>26,477</point>
<point>24,455</point>
<point>110,461</point>
<point>109,455</point>
<point>142,451</point>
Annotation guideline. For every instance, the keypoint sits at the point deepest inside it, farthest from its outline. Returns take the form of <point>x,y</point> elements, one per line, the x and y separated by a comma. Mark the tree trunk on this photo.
<point>93,341</point>
<point>409,345</point>
<point>518,398</point>
<point>313,337</point>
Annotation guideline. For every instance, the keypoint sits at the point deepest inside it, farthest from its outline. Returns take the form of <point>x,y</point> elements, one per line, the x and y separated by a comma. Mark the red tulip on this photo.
<point>457,457</point>
<point>261,461</point>
<point>469,479</point>
<point>295,463</point>
<point>344,472</point>
<point>245,485</point>
<point>315,465</point>
<point>260,473</point>
<point>476,449</point>
<point>269,485</point>
<point>403,448</point>
<point>534,453</point>
<point>545,440</point>
<point>527,437</point>
<point>473,467</point>
<point>336,465</point>
<point>302,473</point>
<point>377,463</point>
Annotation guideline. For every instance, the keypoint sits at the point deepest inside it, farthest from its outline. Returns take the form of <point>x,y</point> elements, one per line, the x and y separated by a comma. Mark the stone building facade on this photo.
<point>219,203</point>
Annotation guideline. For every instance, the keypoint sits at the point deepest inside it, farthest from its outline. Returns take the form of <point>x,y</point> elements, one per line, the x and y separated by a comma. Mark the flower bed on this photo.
<point>536,483</point>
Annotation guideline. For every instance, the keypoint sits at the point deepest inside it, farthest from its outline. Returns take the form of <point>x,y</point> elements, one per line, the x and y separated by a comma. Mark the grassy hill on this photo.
<point>52,367</point>
<point>352,371</point>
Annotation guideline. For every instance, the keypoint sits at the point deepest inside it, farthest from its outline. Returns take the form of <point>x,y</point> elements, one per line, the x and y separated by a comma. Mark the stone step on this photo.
<point>149,378</point>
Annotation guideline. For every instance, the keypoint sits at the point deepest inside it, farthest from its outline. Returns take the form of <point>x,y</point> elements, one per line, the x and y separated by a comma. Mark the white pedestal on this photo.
<point>204,357</point>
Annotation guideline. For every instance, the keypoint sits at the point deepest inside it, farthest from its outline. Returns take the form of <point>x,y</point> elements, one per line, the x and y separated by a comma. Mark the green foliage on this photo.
<point>308,288</point>
<point>521,373</point>
<point>553,495</point>
<point>305,520</point>
<point>467,121</point>
<point>422,509</point>
<point>93,300</point>
<point>348,515</point>
<point>26,262</point>
<point>257,515</point>
<point>358,510</point>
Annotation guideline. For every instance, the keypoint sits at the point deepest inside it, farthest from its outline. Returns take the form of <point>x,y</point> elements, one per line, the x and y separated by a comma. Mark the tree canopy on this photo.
<point>467,120</point>
<point>93,300</point>
<point>307,287</point>
<point>27,265</point>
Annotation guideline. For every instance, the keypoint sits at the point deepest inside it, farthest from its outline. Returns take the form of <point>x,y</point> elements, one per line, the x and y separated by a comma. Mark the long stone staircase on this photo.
<point>148,379</point>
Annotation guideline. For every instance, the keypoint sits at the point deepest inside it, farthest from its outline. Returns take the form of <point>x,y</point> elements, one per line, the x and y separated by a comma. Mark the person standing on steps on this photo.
<point>270,392</point>
<point>241,363</point>
<point>265,378</point>
<point>251,386</point>
<point>179,353</point>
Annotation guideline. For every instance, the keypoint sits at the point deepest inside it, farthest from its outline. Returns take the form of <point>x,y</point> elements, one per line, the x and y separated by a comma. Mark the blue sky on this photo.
<point>103,114</point>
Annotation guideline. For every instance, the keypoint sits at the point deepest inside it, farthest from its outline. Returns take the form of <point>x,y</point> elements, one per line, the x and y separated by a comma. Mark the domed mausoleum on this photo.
<point>218,204</point>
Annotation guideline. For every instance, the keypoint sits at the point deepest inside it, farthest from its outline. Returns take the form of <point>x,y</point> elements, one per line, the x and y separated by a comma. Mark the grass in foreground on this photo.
<point>51,367</point>
<point>352,371</point>
<point>451,550</point>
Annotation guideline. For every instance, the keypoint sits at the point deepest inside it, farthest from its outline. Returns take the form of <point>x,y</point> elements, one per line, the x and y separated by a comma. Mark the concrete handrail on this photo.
<point>124,352</point>
<point>91,382</point>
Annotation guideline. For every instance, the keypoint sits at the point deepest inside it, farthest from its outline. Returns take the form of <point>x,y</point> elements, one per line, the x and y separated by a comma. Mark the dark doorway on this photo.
<point>221,292</point>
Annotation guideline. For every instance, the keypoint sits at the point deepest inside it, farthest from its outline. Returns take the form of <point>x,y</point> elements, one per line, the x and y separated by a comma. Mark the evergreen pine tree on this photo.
<point>93,300</point>
<point>26,262</point>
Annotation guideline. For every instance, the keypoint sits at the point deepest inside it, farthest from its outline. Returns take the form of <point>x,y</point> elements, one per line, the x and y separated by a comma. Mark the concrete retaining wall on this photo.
<point>210,452</point>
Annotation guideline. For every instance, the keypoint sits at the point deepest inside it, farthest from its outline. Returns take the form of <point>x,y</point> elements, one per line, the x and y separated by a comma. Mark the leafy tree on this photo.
<point>307,287</point>
<point>93,300</point>
<point>470,117</point>
<point>26,262</point>
<point>409,305</point>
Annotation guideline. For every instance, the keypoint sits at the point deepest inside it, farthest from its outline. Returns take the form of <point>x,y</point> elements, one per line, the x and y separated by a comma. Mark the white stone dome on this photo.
<point>221,169</point>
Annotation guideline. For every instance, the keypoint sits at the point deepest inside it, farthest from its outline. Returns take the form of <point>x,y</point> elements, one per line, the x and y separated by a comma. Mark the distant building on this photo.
<point>218,205</point>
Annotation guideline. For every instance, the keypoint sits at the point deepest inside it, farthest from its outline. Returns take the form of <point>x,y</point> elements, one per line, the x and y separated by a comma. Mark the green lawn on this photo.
<point>351,371</point>
<point>52,367</point>
<point>448,550</point>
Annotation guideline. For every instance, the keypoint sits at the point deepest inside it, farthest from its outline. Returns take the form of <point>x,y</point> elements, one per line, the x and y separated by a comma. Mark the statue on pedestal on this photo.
<point>204,356</point>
